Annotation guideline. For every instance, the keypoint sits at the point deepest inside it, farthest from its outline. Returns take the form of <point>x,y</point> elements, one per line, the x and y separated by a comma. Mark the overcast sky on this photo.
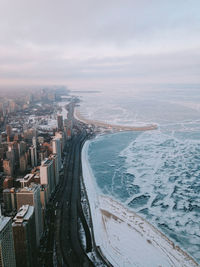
<point>92,43</point>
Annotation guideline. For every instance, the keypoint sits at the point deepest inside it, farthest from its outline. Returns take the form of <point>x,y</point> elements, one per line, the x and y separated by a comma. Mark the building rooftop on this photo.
<point>25,178</point>
<point>31,187</point>
<point>23,215</point>
<point>9,190</point>
<point>28,176</point>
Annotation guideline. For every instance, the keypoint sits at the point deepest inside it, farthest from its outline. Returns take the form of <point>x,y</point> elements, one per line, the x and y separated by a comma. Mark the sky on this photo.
<point>92,44</point>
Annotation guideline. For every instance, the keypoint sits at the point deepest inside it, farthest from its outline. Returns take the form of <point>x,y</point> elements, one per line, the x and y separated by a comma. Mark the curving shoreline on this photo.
<point>113,223</point>
<point>105,125</point>
<point>108,214</point>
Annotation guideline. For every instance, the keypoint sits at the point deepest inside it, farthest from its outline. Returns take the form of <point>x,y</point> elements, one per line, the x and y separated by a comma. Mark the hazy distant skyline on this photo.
<point>93,43</point>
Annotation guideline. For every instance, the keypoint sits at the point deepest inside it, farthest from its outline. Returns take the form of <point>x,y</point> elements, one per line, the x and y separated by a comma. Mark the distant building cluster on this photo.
<point>30,170</point>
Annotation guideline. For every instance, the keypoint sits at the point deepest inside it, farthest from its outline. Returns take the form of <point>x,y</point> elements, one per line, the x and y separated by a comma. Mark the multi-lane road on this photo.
<point>70,246</point>
<point>62,244</point>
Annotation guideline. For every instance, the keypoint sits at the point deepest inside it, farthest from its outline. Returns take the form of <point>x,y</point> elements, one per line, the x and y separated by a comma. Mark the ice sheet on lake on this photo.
<point>125,238</point>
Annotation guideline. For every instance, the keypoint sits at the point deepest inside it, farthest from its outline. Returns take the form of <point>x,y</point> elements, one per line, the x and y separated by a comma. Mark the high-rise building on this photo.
<point>14,147</point>
<point>8,167</point>
<point>56,145</point>
<point>31,196</point>
<point>8,130</point>
<point>10,201</point>
<point>8,182</point>
<point>29,134</point>
<point>3,108</point>
<point>23,162</point>
<point>34,141</point>
<point>10,154</point>
<point>60,122</point>
<point>54,157</point>
<point>12,106</point>
<point>7,253</point>
<point>24,237</point>
<point>68,128</point>
<point>44,198</point>
<point>61,136</point>
<point>47,175</point>
<point>1,152</point>
<point>22,148</point>
<point>33,153</point>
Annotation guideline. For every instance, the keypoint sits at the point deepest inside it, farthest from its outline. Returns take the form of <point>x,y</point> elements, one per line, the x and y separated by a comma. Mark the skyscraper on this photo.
<point>47,175</point>
<point>31,196</point>
<point>56,145</point>
<point>54,157</point>
<point>24,237</point>
<point>60,122</point>
<point>33,153</point>
<point>29,134</point>
<point>10,201</point>
<point>8,167</point>
<point>8,130</point>
<point>23,162</point>
<point>7,253</point>
<point>22,148</point>
<point>34,142</point>
<point>61,136</point>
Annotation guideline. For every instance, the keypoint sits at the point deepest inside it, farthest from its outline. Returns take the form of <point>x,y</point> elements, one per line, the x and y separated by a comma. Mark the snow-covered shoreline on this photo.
<point>125,238</point>
<point>93,197</point>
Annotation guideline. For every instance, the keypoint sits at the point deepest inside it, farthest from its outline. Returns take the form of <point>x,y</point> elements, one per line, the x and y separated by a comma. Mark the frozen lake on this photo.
<point>155,173</point>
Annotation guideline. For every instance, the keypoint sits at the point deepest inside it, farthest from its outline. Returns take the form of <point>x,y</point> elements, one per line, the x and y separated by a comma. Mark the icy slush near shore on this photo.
<point>125,238</point>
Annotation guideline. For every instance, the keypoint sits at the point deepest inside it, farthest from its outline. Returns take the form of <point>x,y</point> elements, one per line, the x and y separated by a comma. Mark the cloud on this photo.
<point>99,41</point>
